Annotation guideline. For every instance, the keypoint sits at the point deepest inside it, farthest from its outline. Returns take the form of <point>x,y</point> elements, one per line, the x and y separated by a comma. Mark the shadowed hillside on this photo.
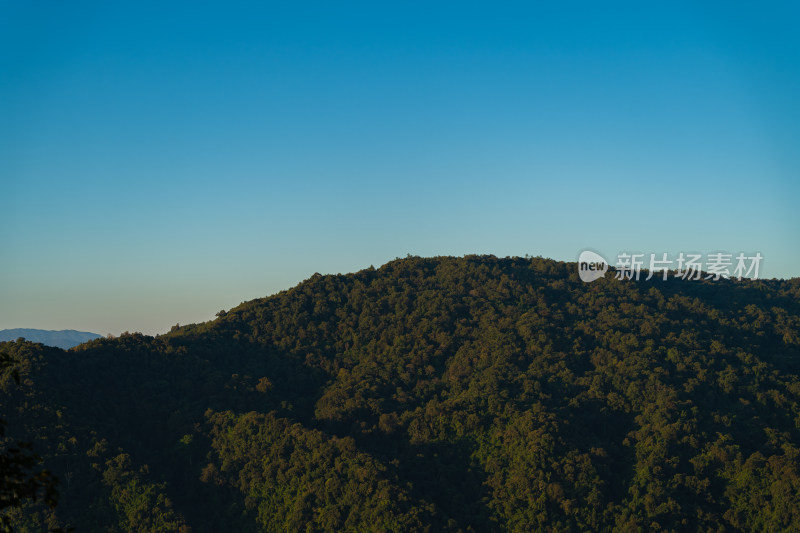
<point>432,394</point>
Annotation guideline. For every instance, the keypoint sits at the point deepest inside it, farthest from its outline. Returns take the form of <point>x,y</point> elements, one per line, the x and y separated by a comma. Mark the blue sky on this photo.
<point>162,161</point>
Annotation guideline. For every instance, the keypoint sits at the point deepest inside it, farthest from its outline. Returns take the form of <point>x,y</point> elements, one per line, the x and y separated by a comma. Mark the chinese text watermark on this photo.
<point>688,266</point>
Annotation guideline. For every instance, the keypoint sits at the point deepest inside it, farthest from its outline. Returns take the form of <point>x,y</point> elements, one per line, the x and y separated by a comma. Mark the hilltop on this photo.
<point>432,394</point>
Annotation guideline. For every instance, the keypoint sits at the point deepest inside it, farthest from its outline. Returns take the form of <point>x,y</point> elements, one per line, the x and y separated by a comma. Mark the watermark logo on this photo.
<point>591,266</point>
<point>688,266</point>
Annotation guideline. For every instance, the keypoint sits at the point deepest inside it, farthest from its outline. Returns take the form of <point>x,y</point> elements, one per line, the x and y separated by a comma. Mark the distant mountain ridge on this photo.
<point>65,338</point>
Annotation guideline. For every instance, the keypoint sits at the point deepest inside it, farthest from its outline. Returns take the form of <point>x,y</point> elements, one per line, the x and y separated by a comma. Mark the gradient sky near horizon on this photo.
<point>162,161</point>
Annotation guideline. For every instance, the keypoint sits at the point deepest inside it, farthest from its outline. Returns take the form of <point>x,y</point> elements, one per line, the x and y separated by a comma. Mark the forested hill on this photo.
<point>441,394</point>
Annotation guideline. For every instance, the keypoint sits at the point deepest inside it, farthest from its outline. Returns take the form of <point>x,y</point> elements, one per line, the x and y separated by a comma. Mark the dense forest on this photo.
<point>431,394</point>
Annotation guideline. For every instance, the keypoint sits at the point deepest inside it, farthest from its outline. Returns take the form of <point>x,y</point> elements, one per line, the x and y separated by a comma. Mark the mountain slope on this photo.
<point>66,338</point>
<point>442,394</point>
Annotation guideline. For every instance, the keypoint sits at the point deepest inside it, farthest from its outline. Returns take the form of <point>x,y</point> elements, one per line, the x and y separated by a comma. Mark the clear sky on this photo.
<point>160,161</point>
